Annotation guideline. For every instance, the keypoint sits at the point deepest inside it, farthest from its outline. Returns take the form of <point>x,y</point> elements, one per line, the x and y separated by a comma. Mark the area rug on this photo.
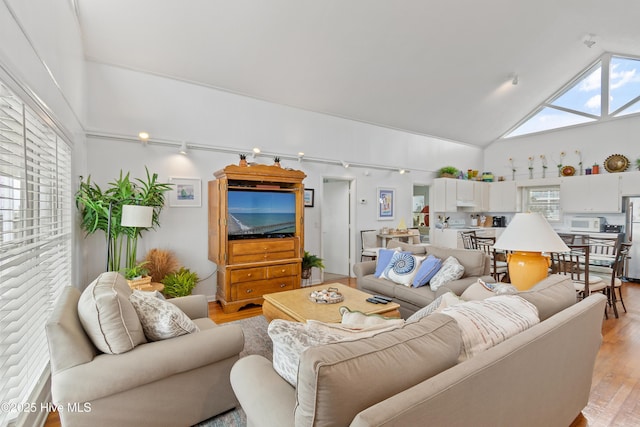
<point>256,341</point>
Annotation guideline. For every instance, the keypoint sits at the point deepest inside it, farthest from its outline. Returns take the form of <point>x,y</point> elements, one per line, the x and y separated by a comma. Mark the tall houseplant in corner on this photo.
<point>94,203</point>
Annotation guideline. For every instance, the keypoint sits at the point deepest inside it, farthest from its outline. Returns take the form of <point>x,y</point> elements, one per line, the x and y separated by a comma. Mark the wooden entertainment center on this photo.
<point>249,268</point>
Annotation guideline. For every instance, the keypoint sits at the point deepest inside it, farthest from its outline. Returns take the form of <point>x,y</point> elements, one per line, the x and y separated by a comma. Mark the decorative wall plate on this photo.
<point>616,163</point>
<point>568,171</point>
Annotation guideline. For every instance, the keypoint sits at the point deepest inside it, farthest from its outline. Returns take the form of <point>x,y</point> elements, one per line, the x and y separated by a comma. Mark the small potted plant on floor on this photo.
<point>308,262</point>
<point>179,283</point>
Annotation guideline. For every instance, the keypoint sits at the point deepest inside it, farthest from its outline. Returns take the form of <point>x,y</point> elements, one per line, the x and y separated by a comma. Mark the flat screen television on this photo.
<point>260,214</point>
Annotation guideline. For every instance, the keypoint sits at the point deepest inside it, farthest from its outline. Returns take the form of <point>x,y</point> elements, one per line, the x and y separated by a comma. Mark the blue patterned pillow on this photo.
<point>402,268</point>
<point>382,260</point>
<point>427,270</point>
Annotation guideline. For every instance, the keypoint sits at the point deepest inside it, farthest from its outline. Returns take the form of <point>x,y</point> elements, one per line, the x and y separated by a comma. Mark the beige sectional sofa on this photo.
<point>174,382</point>
<point>409,376</point>
<point>476,265</point>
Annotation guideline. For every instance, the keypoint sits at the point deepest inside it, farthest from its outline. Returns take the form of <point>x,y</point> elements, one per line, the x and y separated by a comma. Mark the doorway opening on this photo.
<point>338,241</point>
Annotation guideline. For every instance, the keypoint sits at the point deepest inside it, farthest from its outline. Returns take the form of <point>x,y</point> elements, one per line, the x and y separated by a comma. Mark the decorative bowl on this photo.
<point>326,296</point>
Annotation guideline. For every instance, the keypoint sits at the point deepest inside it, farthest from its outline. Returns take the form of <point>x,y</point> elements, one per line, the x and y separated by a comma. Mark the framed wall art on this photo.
<point>308,197</point>
<point>185,193</point>
<point>386,203</point>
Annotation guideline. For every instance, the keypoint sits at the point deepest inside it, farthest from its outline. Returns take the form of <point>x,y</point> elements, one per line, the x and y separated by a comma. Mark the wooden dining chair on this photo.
<point>567,238</point>
<point>499,268</point>
<point>617,274</point>
<point>575,265</point>
<point>466,239</point>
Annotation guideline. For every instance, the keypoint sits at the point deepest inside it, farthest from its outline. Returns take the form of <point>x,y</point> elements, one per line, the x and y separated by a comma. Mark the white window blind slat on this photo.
<point>35,244</point>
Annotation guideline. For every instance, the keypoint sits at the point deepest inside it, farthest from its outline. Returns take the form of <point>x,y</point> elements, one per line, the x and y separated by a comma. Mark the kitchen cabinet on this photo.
<point>630,184</point>
<point>444,195</point>
<point>455,195</point>
<point>591,193</point>
<point>503,197</point>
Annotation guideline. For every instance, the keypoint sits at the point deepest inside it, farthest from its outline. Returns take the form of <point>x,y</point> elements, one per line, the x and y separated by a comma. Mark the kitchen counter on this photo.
<point>450,237</point>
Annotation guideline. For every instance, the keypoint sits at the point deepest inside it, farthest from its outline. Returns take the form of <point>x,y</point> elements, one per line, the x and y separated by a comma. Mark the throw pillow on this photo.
<point>108,317</point>
<point>451,270</point>
<point>488,322</point>
<point>402,268</point>
<point>358,320</point>
<point>160,319</point>
<point>477,291</point>
<point>443,301</point>
<point>382,260</point>
<point>290,339</point>
<point>428,268</point>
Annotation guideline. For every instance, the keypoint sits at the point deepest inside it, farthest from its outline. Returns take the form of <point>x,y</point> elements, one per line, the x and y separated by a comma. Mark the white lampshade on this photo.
<point>530,232</point>
<point>137,216</point>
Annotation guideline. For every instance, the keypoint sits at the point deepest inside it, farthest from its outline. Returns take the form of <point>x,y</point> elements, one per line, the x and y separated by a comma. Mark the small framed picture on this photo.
<point>308,197</point>
<point>185,193</point>
<point>386,203</point>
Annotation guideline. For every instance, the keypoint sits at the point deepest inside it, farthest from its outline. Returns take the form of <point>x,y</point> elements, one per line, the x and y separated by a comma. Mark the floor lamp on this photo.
<point>132,216</point>
<point>528,235</point>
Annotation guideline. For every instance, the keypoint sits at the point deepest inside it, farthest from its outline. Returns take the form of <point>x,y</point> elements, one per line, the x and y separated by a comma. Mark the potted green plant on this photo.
<point>138,275</point>
<point>179,283</point>
<point>308,262</point>
<point>448,172</point>
<point>94,205</point>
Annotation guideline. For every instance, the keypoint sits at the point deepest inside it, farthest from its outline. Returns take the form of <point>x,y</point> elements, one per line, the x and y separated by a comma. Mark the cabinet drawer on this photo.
<point>261,287</point>
<point>262,246</point>
<point>266,256</point>
<point>247,274</point>
<point>282,270</point>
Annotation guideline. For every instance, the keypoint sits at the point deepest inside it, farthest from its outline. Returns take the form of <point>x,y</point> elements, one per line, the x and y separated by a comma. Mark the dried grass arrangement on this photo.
<point>160,263</point>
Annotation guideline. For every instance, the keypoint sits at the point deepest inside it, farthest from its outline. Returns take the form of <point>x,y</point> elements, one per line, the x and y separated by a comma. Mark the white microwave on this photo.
<point>593,224</point>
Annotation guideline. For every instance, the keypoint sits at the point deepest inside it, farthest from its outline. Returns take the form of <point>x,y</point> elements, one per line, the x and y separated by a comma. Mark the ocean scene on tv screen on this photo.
<point>254,213</point>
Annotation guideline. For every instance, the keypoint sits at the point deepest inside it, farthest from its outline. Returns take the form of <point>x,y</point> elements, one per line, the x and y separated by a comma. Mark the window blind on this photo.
<point>35,246</point>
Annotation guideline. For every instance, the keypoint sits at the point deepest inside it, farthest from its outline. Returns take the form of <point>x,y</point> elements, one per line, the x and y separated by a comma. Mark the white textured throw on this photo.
<point>488,322</point>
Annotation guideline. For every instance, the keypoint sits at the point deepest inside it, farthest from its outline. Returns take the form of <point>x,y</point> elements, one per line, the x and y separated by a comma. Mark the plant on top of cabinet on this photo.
<point>448,172</point>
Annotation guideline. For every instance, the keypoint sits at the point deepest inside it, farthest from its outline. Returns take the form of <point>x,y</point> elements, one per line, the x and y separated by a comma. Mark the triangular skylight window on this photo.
<point>589,97</point>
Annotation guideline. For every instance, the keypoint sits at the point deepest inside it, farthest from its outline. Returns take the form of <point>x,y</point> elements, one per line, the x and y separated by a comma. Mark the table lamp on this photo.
<point>527,235</point>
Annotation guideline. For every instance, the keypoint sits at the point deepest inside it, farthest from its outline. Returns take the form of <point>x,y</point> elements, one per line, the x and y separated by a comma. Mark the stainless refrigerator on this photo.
<point>632,231</point>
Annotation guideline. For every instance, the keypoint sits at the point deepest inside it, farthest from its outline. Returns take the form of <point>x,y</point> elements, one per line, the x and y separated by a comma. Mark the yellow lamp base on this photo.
<point>527,268</point>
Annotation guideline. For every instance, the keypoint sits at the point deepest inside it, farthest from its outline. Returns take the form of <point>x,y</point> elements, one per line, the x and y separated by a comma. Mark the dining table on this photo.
<point>403,237</point>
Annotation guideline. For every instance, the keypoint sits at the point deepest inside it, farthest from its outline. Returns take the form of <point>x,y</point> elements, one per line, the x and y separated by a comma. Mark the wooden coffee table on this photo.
<point>295,305</point>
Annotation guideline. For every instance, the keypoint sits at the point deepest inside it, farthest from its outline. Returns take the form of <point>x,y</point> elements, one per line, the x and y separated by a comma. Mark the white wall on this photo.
<point>123,102</point>
<point>41,59</point>
<point>595,142</point>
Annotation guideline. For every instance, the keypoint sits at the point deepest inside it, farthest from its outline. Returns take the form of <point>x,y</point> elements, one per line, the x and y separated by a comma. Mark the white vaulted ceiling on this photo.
<point>440,68</point>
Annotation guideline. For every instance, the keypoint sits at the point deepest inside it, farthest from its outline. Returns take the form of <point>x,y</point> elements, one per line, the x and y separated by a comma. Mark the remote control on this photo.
<point>381,301</point>
<point>373,300</point>
<point>382,297</point>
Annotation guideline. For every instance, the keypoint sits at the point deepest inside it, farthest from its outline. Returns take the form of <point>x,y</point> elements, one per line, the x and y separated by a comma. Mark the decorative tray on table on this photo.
<point>326,296</point>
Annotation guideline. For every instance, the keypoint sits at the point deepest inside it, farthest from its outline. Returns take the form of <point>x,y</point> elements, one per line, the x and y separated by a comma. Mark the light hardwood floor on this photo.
<point>615,392</point>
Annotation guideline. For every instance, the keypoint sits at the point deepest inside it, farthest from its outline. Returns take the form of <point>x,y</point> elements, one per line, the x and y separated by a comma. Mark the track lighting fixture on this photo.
<point>183,148</point>
<point>300,156</point>
<point>514,80</point>
<point>144,137</point>
<point>345,164</point>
